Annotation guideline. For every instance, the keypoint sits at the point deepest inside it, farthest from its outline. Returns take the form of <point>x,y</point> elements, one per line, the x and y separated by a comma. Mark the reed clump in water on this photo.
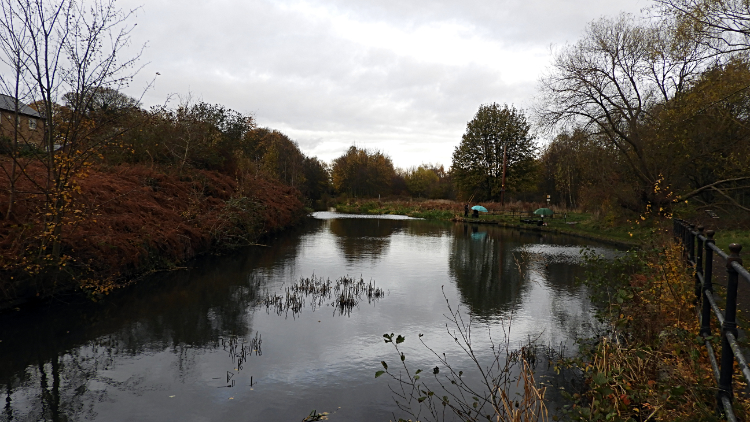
<point>343,295</point>
<point>240,349</point>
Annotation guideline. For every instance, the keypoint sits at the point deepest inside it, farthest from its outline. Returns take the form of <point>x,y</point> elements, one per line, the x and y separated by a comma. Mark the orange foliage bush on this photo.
<point>129,219</point>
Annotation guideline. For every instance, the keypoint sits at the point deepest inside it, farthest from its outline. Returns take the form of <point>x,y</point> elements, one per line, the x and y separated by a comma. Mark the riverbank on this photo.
<point>577,224</point>
<point>126,221</point>
<point>650,364</point>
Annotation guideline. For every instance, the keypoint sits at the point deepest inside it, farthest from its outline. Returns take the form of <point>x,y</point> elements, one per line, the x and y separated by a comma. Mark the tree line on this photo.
<point>652,111</point>
<point>642,112</point>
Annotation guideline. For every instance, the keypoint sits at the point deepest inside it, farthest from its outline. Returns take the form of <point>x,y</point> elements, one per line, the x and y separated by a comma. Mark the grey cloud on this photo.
<point>296,74</point>
<point>518,21</point>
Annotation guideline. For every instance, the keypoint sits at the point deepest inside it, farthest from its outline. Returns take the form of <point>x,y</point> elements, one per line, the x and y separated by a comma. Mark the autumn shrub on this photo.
<point>128,220</point>
<point>651,364</point>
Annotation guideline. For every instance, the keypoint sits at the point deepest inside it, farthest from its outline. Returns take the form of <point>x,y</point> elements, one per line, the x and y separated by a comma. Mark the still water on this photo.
<point>201,344</point>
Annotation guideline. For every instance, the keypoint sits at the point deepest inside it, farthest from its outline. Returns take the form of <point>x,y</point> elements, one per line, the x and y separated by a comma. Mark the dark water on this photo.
<point>163,350</point>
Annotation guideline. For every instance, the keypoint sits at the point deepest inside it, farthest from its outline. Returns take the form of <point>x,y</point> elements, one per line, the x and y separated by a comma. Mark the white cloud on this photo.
<point>403,77</point>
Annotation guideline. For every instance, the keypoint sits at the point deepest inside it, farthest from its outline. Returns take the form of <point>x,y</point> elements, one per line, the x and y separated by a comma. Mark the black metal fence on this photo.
<point>701,251</point>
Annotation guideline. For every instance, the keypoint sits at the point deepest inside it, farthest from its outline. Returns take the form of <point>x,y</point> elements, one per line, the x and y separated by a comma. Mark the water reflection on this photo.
<point>68,351</point>
<point>169,348</point>
<point>486,270</point>
<point>357,241</point>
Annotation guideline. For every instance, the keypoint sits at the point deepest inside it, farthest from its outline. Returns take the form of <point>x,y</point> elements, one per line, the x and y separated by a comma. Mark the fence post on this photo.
<point>698,265</point>
<point>708,288</point>
<point>730,325</point>
<point>691,243</point>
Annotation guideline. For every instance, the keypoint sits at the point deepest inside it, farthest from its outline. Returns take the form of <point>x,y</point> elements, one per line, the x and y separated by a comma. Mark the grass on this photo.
<point>609,227</point>
<point>651,364</point>
<point>586,224</point>
<point>725,237</point>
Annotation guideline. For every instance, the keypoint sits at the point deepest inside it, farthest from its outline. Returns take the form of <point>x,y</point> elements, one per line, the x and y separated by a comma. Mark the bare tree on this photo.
<point>71,47</point>
<point>726,23</point>
<point>12,44</point>
<point>611,81</point>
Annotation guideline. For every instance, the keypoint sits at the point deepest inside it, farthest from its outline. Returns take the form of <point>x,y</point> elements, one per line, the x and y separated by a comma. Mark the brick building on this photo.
<point>30,125</point>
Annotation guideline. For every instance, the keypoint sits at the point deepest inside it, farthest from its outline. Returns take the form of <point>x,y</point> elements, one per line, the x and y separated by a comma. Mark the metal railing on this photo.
<point>700,250</point>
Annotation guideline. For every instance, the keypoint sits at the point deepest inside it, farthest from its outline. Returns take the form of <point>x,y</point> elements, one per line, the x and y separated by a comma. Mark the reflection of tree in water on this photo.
<point>51,357</point>
<point>62,390</point>
<point>485,265</point>
<point>54,356</point>
<point>358,237</point>
<point>484,269</point>
<point>284,245</point>
<point>427,228</point>
<point>570,306</point>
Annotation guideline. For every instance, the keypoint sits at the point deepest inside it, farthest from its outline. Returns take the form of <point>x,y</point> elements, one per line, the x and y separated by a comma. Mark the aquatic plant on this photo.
<point>343,295</point>
<point>240,349</point>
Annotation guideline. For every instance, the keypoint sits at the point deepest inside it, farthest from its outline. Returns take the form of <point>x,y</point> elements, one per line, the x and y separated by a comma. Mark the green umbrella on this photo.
<point>543,211</point>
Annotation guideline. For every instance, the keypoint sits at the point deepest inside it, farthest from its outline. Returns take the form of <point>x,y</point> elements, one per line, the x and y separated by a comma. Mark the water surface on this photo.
<point>168,349</point>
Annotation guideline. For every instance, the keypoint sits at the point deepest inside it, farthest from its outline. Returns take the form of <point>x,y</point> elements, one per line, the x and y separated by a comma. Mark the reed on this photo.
<point>343,295</point>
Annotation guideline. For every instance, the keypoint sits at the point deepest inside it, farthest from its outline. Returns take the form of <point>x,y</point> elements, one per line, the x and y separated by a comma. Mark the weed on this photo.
<point>651,365</point>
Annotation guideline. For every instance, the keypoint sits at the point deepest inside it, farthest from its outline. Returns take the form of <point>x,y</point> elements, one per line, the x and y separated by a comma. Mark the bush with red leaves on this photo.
<point>127,220</point>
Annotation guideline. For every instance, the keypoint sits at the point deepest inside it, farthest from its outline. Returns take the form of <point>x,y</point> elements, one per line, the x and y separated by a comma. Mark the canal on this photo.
<point>219,342</point>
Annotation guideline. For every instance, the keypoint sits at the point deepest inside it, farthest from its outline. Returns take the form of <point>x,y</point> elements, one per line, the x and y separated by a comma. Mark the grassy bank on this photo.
<point>574,223</point>
<point>634,231</point>
<point>651,364</point>
<point>127,220</point>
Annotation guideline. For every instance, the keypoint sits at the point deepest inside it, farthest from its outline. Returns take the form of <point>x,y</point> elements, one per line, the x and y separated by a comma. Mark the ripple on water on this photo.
<point>567,254</point>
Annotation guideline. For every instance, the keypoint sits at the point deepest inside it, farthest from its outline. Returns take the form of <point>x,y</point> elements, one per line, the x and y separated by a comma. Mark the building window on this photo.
<point>32,123</point>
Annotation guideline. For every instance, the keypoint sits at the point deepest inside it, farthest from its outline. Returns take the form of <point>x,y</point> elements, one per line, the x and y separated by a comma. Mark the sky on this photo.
<point>400,76</point>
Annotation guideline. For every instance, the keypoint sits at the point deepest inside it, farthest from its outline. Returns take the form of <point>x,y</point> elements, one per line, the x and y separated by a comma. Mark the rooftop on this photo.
<point>7,103</point>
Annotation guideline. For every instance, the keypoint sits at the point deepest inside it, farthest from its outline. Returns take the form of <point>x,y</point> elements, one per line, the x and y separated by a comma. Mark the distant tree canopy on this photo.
<point>276,155</point>
<point>420,180</point>
<point>428,181</point>
<point>580,169</point>
<point>317,178</point>
<point>213,137</point>
<point>361,172</point>
<point>493,133</point>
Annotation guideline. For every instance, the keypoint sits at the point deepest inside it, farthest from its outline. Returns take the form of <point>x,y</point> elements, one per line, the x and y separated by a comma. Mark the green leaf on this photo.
<point>400,339</point>
<point>385,365</point>
<point>403,357</point>
<point>421,399</point>
<point>379,373</point>
<point>599,378</point>
<point>418,371</point>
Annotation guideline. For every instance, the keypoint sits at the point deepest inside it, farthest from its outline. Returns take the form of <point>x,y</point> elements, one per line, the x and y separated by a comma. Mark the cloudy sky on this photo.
<point>401,76</point>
